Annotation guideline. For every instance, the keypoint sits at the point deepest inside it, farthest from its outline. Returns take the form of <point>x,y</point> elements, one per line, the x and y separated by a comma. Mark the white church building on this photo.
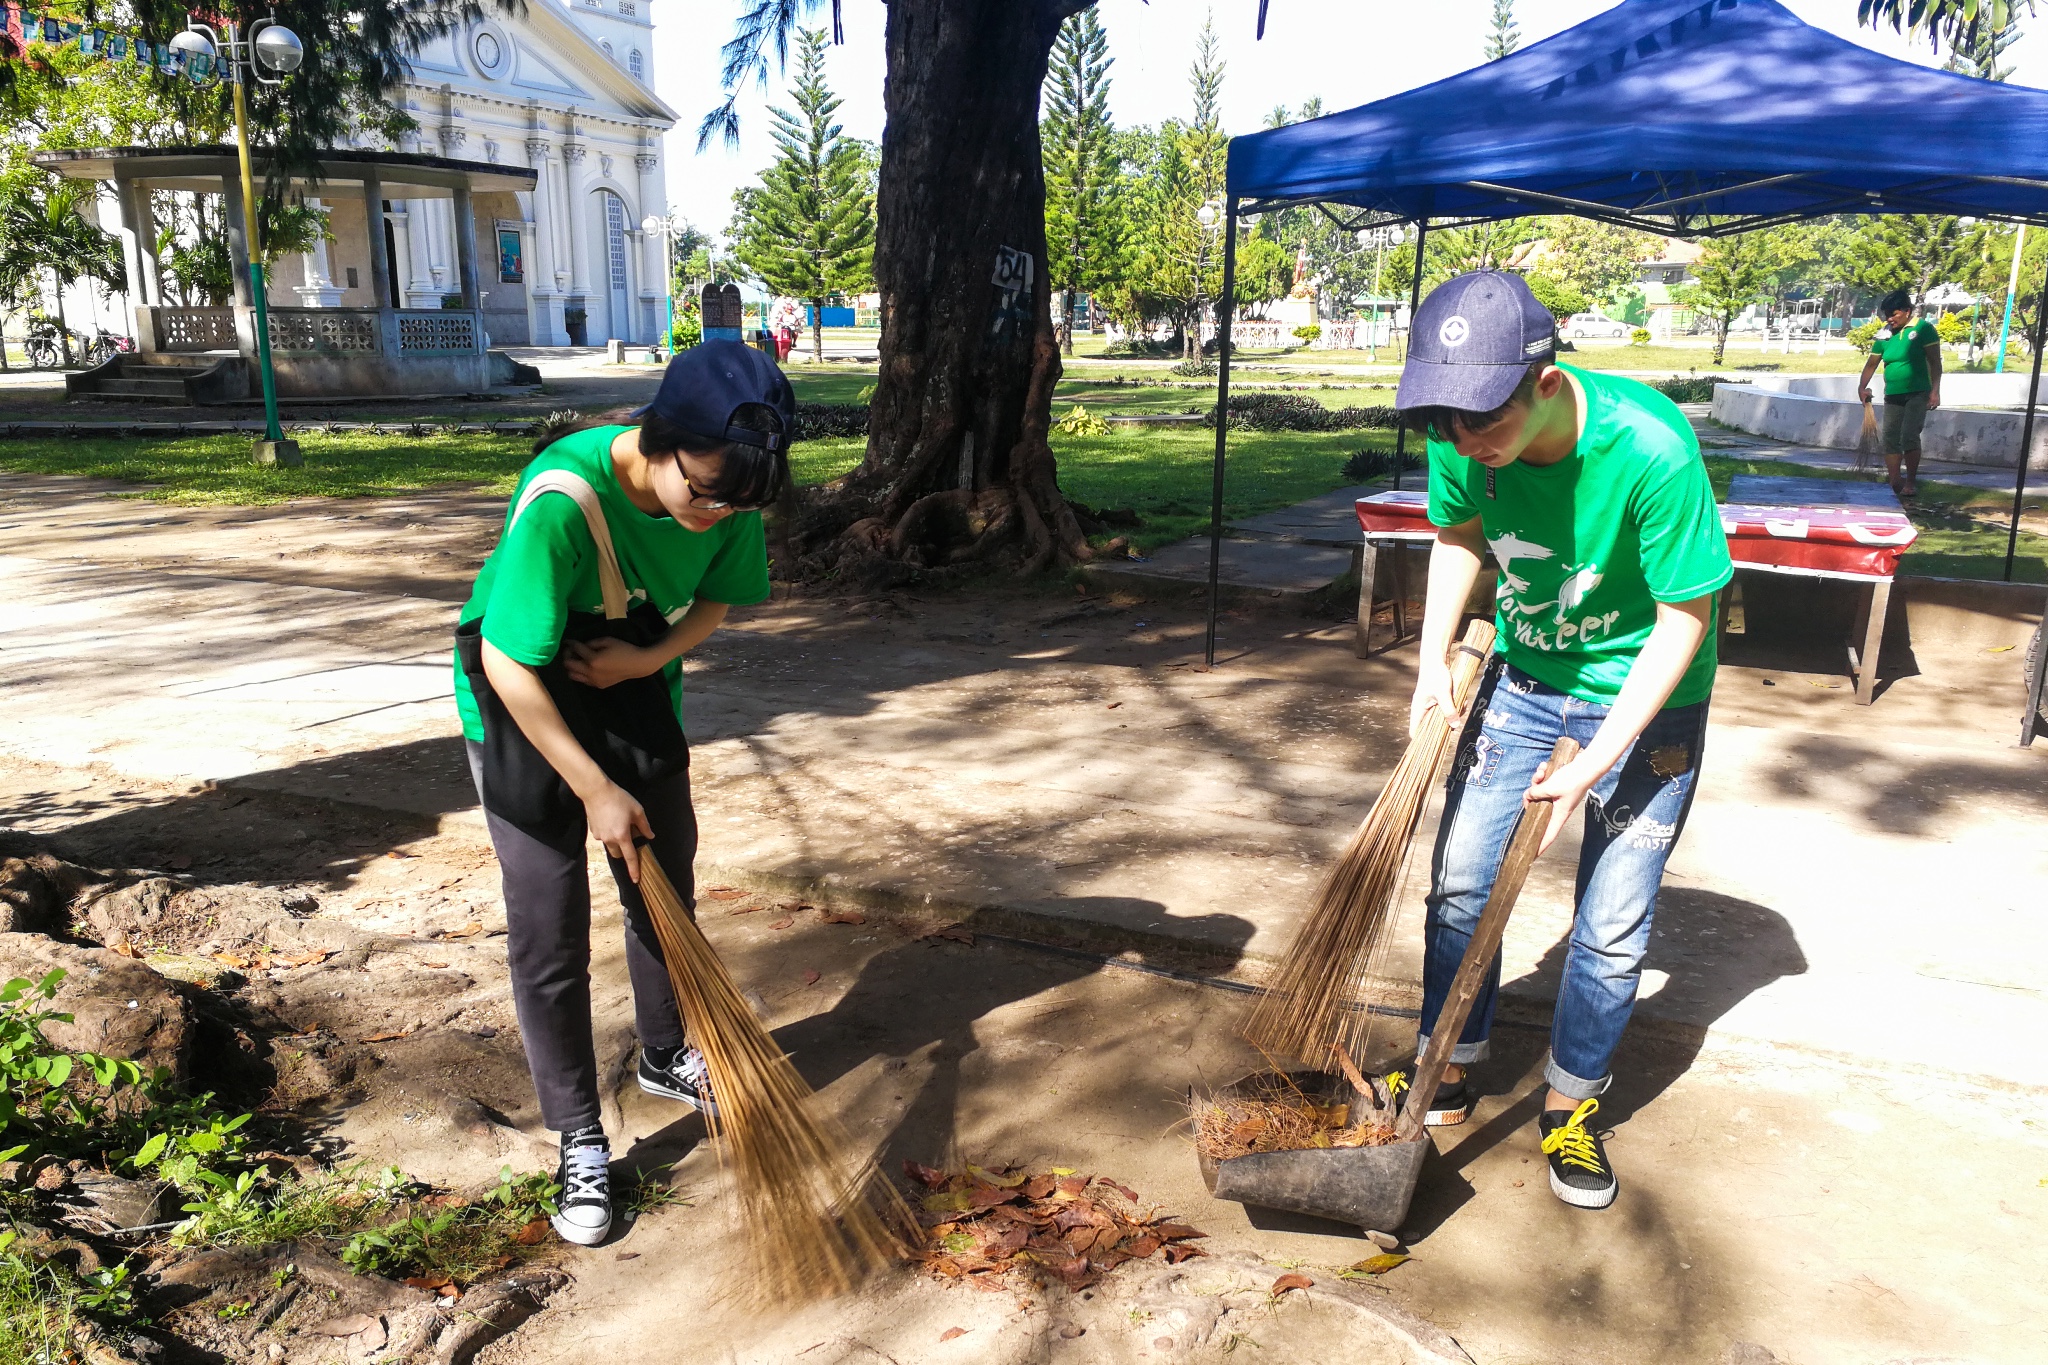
<point>566,90</point>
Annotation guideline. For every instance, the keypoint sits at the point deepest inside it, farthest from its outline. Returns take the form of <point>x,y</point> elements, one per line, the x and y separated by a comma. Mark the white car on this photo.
<point>1594,325</point>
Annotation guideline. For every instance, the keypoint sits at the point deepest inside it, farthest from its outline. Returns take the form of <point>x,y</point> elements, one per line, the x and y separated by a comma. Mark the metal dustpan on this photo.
<point>1371,1186</point>
<point>1368,1187</point>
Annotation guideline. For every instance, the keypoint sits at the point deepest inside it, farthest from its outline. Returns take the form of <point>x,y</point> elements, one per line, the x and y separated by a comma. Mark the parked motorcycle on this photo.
<point>44,344</point>
<point>103,346</point>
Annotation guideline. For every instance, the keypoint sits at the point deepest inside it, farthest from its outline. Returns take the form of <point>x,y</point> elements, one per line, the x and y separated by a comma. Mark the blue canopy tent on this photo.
<point>1692,118</point>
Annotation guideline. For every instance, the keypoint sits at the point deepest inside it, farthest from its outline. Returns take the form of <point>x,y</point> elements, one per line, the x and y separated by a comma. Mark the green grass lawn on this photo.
<point>1742,358</point>
<point>1161,474</point>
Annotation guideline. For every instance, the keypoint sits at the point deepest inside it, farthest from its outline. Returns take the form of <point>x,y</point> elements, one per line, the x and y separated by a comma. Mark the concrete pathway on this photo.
<point>1849,873</point>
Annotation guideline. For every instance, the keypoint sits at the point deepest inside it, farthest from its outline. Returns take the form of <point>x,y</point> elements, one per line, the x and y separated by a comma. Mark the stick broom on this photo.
<point>1302,1011</point>
<point>809,1210</point>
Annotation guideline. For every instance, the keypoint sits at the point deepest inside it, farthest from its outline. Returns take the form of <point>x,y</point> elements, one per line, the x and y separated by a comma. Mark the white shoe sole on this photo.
<point>681,1097</point>
<point>577,1233</point>
<point>1583,1199</point>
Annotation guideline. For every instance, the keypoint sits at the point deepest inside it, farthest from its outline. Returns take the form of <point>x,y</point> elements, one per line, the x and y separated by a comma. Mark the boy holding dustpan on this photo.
<point>1591,494</point>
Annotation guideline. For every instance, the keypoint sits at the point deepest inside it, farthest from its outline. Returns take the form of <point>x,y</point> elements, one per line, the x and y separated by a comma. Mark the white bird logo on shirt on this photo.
<point>1575,589</point>
<point>1509,547</point>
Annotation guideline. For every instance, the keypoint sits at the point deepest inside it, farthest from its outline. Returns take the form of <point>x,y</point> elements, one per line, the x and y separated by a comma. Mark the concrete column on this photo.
<point>465,248</point>
<point>540,275</point>
<point>373,213</point>
<point>125,195</point>
<point>238,237</point>
<point>419,277</point>
<point>319,290</point>
<point>577,206</point>
<point>145,228</point>
<point>654,282</point>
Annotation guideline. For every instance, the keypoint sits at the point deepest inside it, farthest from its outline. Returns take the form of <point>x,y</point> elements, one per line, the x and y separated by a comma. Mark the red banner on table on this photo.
<point>1863,542</point>
<point>1859,541</point>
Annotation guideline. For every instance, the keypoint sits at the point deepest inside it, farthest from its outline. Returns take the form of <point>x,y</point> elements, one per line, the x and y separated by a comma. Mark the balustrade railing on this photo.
<point>194,329</point>
<point>324,331</point>
<point>444,331</point>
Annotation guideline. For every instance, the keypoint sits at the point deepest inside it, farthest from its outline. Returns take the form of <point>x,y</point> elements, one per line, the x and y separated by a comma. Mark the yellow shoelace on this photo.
<point>1397,1081</point>
<point>1574,1141</point>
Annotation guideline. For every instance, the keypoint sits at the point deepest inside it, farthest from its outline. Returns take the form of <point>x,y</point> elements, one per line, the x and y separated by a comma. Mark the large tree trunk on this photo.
<point>957,470</point>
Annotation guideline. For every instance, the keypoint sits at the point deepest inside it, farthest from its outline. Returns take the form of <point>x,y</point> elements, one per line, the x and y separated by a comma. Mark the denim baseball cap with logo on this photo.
<point>705,387</point>
<point>1472,340</point>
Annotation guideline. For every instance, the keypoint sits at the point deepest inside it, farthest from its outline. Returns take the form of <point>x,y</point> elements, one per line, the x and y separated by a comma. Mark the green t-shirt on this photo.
<point>1905,359</point>
<point>1588,546</point>
<point>545,565</point>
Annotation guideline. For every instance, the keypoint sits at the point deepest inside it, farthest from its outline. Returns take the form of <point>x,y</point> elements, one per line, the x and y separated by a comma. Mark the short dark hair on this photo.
<point>1893,302</point>
<point>1440,423</point>
<point>750,476</point>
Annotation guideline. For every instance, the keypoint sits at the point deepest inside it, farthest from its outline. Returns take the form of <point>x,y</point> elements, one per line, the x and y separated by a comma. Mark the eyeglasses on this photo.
<point>700,503</point>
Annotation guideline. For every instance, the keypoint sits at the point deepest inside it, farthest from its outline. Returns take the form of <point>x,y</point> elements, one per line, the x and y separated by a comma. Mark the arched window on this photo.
<point>636,64</point>
<point>606,44</point>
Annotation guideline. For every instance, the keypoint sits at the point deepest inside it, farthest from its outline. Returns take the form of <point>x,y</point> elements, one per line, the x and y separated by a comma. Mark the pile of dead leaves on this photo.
<point>1234,1127</point>
<point>1056,1226</point>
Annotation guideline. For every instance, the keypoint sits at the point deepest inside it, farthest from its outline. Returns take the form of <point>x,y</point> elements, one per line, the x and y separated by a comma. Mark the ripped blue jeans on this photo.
<point>1633,819</point>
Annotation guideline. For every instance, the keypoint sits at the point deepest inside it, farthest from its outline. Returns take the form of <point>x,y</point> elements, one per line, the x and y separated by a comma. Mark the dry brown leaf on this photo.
<point>1291,1281</point>
<point>434,964</point>
<point>1125,1190</point>
<point>125,949</point>
<point>235,960</point>
<point>1376,1265</point>
<point>1176,1252</point>
<point>782,923</point>
<point>956,934</point>
<point>810,978</point>
<point>845,917</point>
<point>532,1233</point>
<point>469,930</point>
<point>1142,1247</point>
<point>926,1176</point>
<point>307,959</point>
<point>435,1281</point>
<point>1039,1186</point>
<point>952,1332</point>
<point>726,893</point>
<point>746,909</point>
<point>384,1037</point>
<point>1176,1232</point>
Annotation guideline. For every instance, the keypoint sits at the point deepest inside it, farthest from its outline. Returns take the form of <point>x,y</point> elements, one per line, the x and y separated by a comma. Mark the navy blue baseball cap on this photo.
<point>705,387</point>
<point>1472,340</point>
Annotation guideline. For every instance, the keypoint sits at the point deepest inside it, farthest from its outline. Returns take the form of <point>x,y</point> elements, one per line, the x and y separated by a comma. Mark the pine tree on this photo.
<point>1504,37</point>
<point>1083,225</point>
<point>808,229</point>
<point>1207,145</point>
<point>1981,57</point>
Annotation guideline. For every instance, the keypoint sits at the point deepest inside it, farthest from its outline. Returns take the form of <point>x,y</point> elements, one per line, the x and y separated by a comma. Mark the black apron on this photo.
<point>630,728</point>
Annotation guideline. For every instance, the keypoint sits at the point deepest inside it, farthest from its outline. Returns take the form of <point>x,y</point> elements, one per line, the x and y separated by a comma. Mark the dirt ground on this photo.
<point>1050,767</point>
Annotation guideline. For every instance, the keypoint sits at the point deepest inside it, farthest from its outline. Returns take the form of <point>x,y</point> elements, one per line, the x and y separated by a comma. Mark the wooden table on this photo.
<point>1823,528</point>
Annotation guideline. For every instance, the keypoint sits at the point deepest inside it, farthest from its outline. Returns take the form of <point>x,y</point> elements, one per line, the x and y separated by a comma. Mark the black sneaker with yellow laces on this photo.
<point>1579,1173</point>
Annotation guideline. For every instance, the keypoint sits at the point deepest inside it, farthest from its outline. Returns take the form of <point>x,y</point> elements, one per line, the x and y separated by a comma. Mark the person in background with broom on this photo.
<point>1911,356</point>
<point>1590,491</point>
<point>623,549</point>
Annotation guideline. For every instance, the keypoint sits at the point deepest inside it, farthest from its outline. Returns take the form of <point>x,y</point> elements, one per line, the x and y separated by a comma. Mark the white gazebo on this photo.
<point>208,354</point>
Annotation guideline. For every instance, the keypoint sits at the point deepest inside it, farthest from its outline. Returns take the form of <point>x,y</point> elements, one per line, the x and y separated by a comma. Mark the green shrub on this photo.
<point>1691,388</point>
<point>1364,466</point>
<point>1308,333</point>
<point>1639,337</point>
<point>1951,328</point>
<point>1297,412</point>
<point>1864,337</point>
<point>1081,422</point>
<point>1199,367</point>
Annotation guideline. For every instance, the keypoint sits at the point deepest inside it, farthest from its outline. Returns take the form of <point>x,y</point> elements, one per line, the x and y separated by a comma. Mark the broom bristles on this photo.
<point>807,1208</point>
<point>1302,1011</point>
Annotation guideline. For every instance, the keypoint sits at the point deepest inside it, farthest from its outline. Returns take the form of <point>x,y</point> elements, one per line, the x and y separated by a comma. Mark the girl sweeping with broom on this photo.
<point>1590,491</point>
<point>623,549</point>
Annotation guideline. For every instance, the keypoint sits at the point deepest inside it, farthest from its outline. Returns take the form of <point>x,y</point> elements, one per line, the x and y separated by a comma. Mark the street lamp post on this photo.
<point>667,225</point>
<point>1207,218</point>
<point>269,46</point>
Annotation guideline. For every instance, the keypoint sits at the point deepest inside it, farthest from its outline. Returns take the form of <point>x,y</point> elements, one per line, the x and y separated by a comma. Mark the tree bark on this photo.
<point>818,330</point>
<point>957,469</point>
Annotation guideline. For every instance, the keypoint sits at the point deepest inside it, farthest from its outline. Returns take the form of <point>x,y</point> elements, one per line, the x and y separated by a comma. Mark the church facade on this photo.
<point>564,89</point>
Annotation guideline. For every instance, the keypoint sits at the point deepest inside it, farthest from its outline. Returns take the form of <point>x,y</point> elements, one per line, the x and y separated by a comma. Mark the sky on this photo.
<point>1349,52</point>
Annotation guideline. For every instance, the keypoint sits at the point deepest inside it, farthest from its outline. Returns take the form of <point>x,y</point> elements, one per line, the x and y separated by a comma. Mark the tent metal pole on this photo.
<point>2019,479</point>
<point>1414,303</point>
<point>1224,313</point>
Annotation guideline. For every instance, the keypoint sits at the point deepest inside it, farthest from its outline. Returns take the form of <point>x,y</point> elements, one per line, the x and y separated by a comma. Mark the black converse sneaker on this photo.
<point>1579,1173</point>
<point>678,1075</point>
<point>1451,1106</point>
<point>584,1207</point>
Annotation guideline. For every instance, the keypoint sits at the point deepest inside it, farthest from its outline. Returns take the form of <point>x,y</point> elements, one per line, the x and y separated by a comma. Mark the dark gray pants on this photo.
<point>547,917</point>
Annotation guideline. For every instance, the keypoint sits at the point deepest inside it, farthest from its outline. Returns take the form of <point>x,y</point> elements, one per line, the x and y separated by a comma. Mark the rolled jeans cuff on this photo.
<point>1464,1054</point>
<point>1564,1083</point>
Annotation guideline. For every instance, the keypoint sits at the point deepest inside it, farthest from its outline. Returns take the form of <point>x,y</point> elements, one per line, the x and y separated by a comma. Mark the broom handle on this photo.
<point>1479,953</point>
